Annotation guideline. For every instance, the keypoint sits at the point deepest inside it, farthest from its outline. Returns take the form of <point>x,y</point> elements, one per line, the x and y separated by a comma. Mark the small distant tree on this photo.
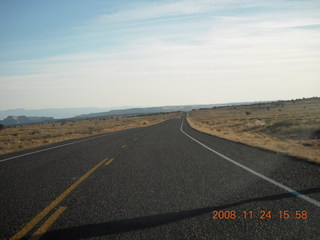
<point>1,126</point>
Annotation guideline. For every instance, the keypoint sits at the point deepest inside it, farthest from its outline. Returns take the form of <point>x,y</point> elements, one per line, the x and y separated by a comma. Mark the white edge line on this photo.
<point>59,146</point>
<point>290,190</point>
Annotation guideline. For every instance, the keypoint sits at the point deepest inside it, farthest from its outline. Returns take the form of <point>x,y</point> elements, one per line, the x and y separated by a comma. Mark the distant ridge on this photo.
<point>56,114</point>
<point>22,120</point>
<point>152,110</point>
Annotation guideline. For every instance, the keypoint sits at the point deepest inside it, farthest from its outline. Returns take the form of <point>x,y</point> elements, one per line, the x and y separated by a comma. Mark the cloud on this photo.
<point>155,10</point>
<point>163,9</point>
<point>219,58</point>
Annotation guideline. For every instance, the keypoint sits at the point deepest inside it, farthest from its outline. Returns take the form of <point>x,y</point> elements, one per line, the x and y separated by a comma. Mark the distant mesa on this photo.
<point>13,117</point>
<point>129,112</point>
<point>20,120</point>
<point>150,110</point>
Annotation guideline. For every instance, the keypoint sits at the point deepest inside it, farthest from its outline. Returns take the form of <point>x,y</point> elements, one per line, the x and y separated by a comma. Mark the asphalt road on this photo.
<point>157,183</point>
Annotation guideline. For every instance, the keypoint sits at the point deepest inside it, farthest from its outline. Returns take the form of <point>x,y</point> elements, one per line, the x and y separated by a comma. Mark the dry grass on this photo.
<point>23,137</point>
<point>290,127</point>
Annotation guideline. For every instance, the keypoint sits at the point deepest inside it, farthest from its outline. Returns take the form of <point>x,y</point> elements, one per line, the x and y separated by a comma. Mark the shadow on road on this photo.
<point>139,223</point>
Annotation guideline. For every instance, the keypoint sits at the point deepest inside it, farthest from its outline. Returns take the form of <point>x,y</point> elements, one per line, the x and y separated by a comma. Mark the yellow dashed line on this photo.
<point>47,224</point>
<point>124,146</point>
<point>53,204</point>
<point>107,163</point>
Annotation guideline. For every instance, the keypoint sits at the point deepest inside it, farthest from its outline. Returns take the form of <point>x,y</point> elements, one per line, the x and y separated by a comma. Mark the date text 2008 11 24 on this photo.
<point>263,214</point>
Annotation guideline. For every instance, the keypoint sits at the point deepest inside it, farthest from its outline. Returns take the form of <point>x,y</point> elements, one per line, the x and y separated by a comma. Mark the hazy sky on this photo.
<point>151,53</point>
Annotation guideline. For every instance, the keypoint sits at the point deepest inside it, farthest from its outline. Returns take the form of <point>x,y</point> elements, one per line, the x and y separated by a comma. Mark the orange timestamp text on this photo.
<point>263,214</point>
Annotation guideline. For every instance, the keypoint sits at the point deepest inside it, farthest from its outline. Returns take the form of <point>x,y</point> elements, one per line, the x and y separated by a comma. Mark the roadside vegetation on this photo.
<point>23,137</point>
<point>289,127</point>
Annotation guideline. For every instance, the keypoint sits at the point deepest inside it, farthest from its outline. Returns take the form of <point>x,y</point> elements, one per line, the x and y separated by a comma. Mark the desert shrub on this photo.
<point>1,126</point>
<point>303,132</point>
<point>285,126</point>
<point>281,124</point>
<point>46,136</point>
<point>316,134</point>
<point>312,122</point>
<point>35,132</point>
<point>247,113</point>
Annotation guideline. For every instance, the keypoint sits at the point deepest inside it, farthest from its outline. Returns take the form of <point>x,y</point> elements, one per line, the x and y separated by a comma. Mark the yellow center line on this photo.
<point>45,211</point>
<point>47,224</point>
<point>135,139</point>
<point>107,163</point>
<point>124,146</point>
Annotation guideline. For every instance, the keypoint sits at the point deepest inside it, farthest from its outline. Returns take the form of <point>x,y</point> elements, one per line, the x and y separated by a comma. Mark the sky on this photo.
<point>62,54</point>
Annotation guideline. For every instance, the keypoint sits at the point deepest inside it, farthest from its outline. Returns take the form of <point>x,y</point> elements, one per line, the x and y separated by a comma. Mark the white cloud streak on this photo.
<point>239,58</point>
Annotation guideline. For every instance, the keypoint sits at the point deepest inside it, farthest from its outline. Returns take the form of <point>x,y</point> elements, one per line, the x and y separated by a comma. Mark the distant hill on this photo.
<point>21,120</point>
<point>126,112</point>
<point>21,116</point>
<point>151,110</point>
<point>57,113</point>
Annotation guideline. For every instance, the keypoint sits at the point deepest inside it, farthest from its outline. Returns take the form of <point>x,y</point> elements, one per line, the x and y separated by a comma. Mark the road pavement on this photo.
<point>166,181</point>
